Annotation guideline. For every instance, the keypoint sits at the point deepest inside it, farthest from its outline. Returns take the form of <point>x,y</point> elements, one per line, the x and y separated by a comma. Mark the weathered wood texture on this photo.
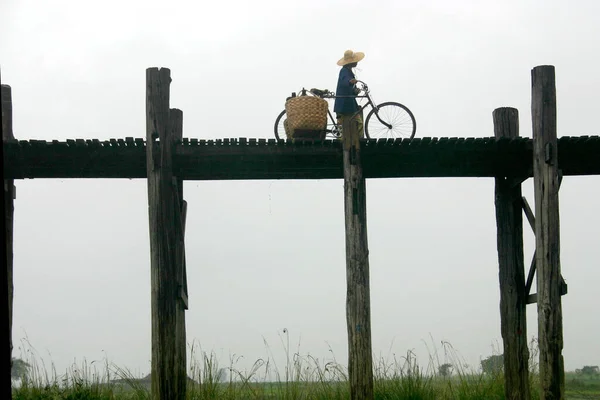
<point>532,266</point>
<point>7,269</point>
<point>532,298</point>
<point>358,297</point>
<point>547,238</point>
<point>509,223</point>
<point>176,117</point>
<point>232,159</point>
<point>177,127</point>
<point>162,207</point>
<point>9,196</point>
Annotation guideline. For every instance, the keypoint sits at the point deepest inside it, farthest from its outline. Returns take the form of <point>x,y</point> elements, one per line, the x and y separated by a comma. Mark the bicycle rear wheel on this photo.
<point>279,128</point>
<point>401,123</point>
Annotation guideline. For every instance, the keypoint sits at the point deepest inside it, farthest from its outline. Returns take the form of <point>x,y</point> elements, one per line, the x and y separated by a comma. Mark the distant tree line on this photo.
<point>588,370</point>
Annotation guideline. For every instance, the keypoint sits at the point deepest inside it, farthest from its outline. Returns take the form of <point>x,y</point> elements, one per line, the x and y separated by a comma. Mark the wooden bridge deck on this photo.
<point>231,159</point>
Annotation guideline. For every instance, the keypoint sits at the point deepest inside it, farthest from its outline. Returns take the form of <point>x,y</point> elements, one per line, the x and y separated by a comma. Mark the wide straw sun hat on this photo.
<point>350,57</point>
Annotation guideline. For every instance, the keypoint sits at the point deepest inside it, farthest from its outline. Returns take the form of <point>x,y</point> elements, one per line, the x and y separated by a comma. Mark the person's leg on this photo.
<point>360,125</point>
<point>340,122</point>
<point>356,118</point>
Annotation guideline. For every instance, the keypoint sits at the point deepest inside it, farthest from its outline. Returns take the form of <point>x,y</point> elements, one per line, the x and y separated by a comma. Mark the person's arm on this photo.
<point>348,77</point>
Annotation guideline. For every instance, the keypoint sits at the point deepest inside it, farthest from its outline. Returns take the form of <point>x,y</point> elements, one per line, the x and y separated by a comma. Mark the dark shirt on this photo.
<point>343,104</point>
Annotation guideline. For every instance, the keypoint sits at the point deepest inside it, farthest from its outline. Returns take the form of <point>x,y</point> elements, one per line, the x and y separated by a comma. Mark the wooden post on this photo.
<point>509,223</point>
<point>358,301</point>
<point>176,117</point>
<point>546,184</point>
<point>9,196</point>
<point>7,271</point>
<point>162,207</point>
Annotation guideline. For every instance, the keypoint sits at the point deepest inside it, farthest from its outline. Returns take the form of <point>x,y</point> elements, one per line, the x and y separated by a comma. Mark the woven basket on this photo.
<point>288,133</point>
<point>305,113</point>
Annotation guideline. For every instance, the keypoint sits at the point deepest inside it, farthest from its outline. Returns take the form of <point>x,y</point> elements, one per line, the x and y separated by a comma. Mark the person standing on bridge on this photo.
<point>345,102</point>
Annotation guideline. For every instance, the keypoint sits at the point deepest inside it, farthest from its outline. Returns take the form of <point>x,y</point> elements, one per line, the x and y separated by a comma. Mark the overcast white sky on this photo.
<point>267,255</point>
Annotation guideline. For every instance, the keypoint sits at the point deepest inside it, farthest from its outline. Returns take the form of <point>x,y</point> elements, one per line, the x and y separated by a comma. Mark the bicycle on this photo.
<point>392,120</point>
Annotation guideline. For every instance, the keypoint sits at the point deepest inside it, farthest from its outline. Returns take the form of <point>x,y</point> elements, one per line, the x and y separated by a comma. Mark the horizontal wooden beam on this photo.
<point>234,159</point>
<point>564,289</point>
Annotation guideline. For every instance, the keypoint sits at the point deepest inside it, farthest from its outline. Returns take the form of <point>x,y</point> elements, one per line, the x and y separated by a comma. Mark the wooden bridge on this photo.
<point>165,159</point>
<point>234,159</point>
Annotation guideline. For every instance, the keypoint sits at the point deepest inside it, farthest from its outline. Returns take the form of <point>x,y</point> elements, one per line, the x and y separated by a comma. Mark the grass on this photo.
<point>303,377</point>
<point>582,387</point>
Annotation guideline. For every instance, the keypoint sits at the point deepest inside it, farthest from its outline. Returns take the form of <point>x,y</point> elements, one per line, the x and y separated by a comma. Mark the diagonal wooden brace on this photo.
<point>532,298</point>
<point>181,272</point>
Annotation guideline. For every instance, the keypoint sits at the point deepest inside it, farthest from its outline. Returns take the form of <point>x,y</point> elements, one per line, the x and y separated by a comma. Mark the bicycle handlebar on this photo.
<point>325,93</point>
<point>364,88</point>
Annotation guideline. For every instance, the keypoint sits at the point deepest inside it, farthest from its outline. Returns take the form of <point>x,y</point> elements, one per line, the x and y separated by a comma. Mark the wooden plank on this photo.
<point>6,292</point>
<point>358,298</point>
<point>547,236</point>
<point>163,240</point>
<point>509,223</point>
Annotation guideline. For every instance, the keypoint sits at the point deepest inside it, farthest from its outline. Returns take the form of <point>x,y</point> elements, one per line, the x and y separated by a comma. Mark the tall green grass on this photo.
<point>302,377</point>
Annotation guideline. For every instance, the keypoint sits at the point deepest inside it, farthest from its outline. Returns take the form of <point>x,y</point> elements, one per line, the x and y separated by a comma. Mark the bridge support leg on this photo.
<point>358,297</point>
<point>166,239</point>
<point>509,223</point>
<point>180,216</point>
<point>7,272</point>
<point>547,237</point>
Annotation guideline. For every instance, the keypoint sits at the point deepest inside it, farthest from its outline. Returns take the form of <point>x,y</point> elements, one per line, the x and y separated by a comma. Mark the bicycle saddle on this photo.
<point>319,92</point>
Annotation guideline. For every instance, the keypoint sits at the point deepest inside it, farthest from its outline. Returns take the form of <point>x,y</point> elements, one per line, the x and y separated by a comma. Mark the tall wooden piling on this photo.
<point>9,196</point>
<point>167,361</point>
<point>7,272</point>
<point>547,237</point>
<point>509,223</point>
<point>176,117</point>
<point>358,297</point>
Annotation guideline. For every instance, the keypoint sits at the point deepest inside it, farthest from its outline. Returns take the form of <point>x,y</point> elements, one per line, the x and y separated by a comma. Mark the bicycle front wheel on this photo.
<point>390,121</point>
<point>279,127</point>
